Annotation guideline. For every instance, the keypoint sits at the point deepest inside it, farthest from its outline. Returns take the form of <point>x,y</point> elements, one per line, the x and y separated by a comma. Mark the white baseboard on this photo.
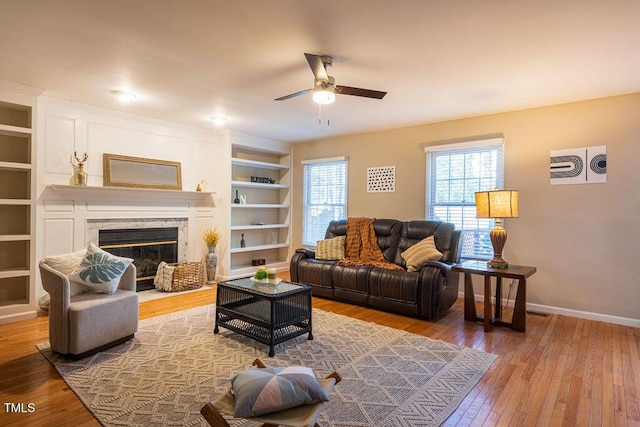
<point>617,320</point>
<point>15,317</point>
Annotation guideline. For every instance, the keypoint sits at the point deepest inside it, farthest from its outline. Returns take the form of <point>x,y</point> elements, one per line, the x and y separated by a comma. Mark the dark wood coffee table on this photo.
<point>519,272</point>
<point>270,314</point>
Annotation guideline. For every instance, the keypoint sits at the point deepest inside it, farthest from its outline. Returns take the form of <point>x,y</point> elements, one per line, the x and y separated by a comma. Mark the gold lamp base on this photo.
<point>498,263</point>
<point>498,238</point>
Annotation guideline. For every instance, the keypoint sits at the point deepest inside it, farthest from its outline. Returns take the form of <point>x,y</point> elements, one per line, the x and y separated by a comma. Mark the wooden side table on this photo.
<point>519,272</point>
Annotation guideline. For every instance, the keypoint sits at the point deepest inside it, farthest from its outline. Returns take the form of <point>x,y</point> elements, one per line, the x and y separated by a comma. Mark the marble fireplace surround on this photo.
<point>95,225</point>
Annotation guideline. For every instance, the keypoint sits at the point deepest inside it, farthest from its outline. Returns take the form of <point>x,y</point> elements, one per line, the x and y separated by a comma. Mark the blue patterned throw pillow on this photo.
<point>100,270</point>
<point>263,391</point>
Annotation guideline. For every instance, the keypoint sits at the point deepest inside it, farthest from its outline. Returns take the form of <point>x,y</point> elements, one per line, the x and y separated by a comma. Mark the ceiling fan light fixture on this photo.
<point>324,86</point>
<point>324,96</point>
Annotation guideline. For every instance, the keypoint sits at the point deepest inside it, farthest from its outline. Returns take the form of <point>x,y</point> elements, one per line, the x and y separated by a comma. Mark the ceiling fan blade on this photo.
<point>367,93</point>
<point>293,95</point>
<point>315,62</point>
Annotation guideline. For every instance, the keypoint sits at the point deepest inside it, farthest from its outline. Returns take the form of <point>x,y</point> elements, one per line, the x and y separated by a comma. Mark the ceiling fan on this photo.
<point>324,86</point>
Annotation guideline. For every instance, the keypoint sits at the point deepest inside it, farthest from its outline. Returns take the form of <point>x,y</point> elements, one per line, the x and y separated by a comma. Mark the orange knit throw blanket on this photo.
<point>361,245</point>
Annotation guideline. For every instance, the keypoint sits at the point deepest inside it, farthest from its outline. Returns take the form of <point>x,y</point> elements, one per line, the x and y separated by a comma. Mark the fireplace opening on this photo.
<point>146,246</point>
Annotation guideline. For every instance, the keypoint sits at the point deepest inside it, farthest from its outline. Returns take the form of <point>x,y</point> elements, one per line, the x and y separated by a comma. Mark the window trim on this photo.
<point>466,145</point>
<point>344,159</point>
<point>325,160</point>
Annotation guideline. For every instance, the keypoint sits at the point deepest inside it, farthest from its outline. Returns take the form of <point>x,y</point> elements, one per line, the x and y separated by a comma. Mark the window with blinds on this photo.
<point>324,196</point>
<point>454,173</point>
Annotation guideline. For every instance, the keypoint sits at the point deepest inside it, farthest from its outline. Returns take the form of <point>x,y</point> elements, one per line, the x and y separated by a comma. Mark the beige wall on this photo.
<point>583,239</point>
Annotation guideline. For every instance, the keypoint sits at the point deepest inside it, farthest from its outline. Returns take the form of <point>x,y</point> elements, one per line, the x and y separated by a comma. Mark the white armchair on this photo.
<point>84,324</point>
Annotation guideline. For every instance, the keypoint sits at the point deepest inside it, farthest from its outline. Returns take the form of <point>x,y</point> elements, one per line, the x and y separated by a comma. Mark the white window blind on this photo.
<point>324,197</point>
<point>454,173</point>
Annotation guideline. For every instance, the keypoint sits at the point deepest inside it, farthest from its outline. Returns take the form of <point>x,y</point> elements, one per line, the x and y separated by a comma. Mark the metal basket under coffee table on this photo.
<point>268,313</point>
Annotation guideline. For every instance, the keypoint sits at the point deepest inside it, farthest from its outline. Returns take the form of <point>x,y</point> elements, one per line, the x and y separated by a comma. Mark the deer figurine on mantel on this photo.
<point>79,174</point>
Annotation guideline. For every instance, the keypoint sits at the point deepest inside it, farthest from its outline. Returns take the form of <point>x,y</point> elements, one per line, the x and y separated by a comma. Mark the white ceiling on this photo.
<point>438,60</point>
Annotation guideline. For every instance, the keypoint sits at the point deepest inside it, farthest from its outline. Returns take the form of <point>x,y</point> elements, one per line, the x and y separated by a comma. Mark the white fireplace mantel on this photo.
<point>118,192</point>
<point>71,216</point>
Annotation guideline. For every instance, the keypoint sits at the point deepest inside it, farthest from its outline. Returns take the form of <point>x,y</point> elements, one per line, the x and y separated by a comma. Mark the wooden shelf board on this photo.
<point>14,237</point>
<point>15,166</point>
<point>17,272</point>
<point>246,270</point>
<point>246,184</point>
<point>259,248</point>
<point>258,227</point>
<point>14,202</point>
<point>259,206</point>
<point>14,130</point>
<point>257,164</point>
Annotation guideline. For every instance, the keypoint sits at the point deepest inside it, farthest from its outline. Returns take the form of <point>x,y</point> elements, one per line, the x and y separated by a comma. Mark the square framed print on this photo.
<point>381,179</point>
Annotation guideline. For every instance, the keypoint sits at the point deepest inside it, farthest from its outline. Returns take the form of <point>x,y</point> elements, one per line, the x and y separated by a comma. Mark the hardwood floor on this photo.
<point>562,371</point>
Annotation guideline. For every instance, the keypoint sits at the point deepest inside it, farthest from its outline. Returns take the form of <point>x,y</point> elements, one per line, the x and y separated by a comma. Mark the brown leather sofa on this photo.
<point>427,293</point>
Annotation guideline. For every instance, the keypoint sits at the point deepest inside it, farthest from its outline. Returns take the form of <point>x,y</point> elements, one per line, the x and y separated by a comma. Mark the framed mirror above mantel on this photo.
<point>139,172</point>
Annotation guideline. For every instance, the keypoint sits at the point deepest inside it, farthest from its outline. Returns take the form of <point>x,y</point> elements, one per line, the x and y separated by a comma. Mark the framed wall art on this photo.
<point>586,165</point>
<point>381,179</point>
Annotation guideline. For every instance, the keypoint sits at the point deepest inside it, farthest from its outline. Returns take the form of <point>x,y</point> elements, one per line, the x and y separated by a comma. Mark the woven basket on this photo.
<point>187,276</point>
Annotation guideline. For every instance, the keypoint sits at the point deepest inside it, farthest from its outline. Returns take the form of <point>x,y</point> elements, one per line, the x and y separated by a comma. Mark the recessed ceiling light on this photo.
<point>219,120</point>
<point>124,96</point>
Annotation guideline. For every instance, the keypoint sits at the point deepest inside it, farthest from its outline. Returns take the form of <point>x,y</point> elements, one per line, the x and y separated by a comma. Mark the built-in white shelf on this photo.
<point>261,185</point>
<point>257,227</point>
<point>259,248</point>
<point>95,191</point>
<point>257,164</point>
<point>17,206</point>
<point>259,206</point>
<point>271,204</point>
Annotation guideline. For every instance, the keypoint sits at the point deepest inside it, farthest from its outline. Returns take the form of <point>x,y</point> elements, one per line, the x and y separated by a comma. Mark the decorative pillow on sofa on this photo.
<point>263,391</point>
<point>423,251</point>
<point>100,270</point>
<point>66,264</point>
<point>331,249</point>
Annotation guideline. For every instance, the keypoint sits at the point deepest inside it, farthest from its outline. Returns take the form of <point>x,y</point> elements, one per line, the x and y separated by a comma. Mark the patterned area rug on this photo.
<point>175,364</point>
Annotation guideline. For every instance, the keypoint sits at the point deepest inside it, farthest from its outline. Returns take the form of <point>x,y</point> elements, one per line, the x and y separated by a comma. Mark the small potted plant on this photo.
<point>211,238</point>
